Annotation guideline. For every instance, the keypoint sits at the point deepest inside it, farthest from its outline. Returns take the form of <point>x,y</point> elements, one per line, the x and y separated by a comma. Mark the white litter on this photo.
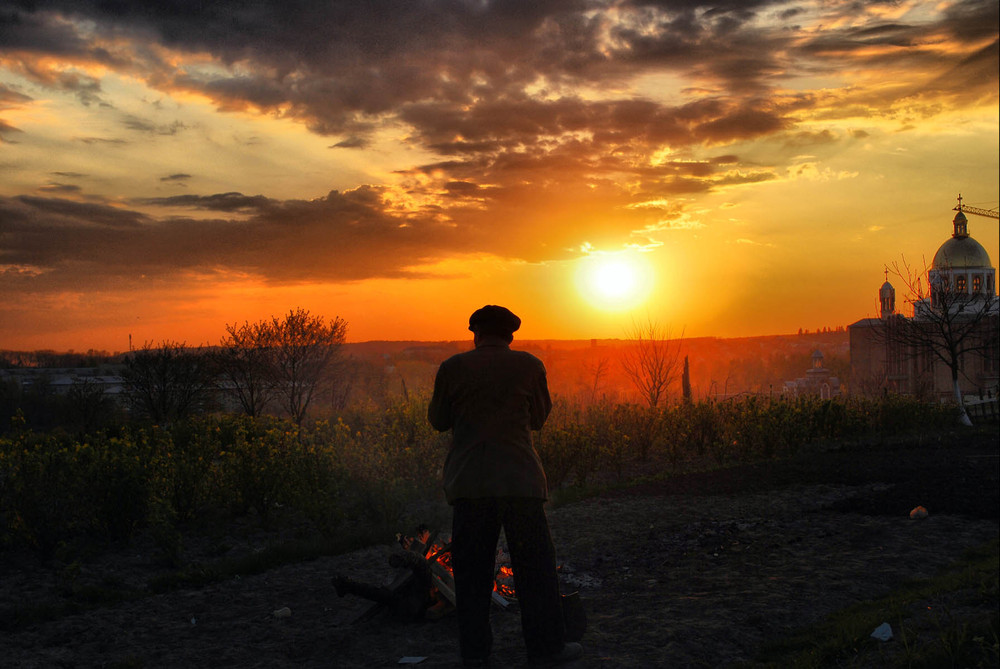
<point>411,660</point>
<point>883,632</point>
<point>283,612</point>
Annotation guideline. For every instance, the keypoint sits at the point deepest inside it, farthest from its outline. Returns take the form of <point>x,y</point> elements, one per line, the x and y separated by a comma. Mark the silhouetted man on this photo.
<point>492,398</point>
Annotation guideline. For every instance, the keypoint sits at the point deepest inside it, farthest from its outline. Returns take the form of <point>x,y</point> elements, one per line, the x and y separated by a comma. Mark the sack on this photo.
<point>574,617</point>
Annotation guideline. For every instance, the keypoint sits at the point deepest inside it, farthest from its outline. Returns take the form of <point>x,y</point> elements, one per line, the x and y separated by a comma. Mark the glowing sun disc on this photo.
<point>614,278</point>
<point>614,282</point>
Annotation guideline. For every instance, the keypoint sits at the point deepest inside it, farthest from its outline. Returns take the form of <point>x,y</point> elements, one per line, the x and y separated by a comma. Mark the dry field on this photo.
<point>698,571</point>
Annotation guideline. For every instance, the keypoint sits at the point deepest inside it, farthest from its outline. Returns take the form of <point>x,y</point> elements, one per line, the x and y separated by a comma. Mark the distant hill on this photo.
<point>591,367</point>
<point>586,368</point>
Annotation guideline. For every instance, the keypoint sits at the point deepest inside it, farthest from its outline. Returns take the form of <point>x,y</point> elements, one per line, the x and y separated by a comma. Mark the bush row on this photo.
<point>625,441</point>
<point>61,492</point>
<point>370,466</point>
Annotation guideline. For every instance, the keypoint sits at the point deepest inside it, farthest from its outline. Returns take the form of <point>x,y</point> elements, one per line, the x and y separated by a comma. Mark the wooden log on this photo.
<point>401,577</point>
<point>443,580</point>
<point>425,553</point>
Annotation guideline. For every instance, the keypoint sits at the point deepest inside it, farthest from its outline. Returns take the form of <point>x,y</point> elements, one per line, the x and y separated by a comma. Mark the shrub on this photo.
<point>373,466</point>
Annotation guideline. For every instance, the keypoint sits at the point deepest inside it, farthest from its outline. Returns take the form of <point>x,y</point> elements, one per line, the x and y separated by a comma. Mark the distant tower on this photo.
<point>886,298</point>
<point>960,222</point>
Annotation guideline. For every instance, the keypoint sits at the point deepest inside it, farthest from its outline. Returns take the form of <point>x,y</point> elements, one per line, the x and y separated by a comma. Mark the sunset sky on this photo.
<point>728,168</point>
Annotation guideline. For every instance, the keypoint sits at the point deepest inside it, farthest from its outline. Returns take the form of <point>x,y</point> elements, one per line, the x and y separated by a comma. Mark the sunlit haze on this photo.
<point>722,168</point>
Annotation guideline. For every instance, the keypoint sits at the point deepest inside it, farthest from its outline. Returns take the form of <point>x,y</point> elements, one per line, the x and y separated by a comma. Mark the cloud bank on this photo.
<point>543,125</point>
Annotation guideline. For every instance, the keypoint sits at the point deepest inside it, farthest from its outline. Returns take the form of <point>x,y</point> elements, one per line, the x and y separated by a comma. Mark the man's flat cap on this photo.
<point>494,319</point>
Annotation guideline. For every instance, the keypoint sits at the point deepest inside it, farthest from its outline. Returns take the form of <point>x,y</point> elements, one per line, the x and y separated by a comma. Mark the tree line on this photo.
<point>278,366</point>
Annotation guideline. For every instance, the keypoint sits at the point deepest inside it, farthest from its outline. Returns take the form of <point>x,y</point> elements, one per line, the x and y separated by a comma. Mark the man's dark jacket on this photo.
<point>492,398</point>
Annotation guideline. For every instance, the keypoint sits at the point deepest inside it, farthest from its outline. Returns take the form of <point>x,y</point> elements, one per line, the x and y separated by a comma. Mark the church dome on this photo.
<point>961,253</point>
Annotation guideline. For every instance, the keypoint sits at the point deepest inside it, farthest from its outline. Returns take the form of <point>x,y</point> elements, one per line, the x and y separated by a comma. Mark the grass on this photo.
<point>950,620</point>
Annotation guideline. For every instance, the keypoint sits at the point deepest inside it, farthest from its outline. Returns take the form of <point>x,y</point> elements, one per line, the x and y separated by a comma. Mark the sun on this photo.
<point>614,282</point>
<point>614,279</point>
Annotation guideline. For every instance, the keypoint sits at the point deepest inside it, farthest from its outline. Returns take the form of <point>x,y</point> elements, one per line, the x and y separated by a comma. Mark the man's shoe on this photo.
<point>571,651</point>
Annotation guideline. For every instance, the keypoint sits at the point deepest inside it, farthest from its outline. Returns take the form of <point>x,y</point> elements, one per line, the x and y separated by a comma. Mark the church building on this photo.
<point>904,354</point>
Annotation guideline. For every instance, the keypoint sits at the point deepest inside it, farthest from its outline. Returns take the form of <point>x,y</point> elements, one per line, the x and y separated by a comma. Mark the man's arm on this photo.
<point>541,403</point>
<point>439,410</point>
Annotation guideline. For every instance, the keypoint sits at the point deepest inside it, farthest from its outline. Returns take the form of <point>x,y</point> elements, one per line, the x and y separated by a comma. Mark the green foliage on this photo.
<point>40,489</point>
<point>616,442</point>
<point>393,457</point>
<point>368,468</point>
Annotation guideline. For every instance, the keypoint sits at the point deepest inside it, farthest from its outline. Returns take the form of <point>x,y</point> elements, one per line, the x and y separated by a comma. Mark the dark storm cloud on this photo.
<point>111,141</point>
<point>59,212</point>
<point>741,124</point>
<point>590,142</point>
<point>351,143</point>
<point>142,125</point>
<point>719,46</point>
<point>178,177</point>
<point>508,124</point>
<point>339,66</point>
<point>10,97</point>
<point>444,65</point>
<point>22,29</point>
<point>344,236</point>
<point>219,202</point>
<point>968,78</point>
<point>972,19</point>
<point>461,187</point>
<point>52,243</point>
<point>918,44</point>
<point>6,128</point>
<point>806,138</point>
<point>86,88</point>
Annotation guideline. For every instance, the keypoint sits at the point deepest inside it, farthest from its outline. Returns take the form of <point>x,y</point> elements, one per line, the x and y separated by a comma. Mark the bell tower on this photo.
<point>886,298</point>
<point>961,223</point>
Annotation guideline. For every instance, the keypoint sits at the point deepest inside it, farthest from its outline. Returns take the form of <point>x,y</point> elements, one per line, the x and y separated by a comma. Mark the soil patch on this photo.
<point>697,570</point>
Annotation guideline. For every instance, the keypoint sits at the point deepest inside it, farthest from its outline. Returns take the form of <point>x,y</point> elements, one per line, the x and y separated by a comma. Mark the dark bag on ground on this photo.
<point>574,617</point>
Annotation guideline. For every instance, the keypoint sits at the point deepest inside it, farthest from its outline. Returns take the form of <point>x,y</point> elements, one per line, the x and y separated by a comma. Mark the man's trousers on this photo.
<point>476,525</point>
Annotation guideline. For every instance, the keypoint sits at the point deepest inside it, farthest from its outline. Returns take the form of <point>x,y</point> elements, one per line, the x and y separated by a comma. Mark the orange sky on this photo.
<point>744,168</point>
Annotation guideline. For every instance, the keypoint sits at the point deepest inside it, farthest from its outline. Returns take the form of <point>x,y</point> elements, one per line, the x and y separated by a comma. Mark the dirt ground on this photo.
<point>698,571</point>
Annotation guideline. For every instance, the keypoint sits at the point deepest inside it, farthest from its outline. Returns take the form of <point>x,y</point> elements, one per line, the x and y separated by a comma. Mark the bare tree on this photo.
<point>305,350</point>
<point>951,324</point>
<point>168,382</point>
<point>598,370</point>
<point>650,361</point>
<point>245,360</point>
